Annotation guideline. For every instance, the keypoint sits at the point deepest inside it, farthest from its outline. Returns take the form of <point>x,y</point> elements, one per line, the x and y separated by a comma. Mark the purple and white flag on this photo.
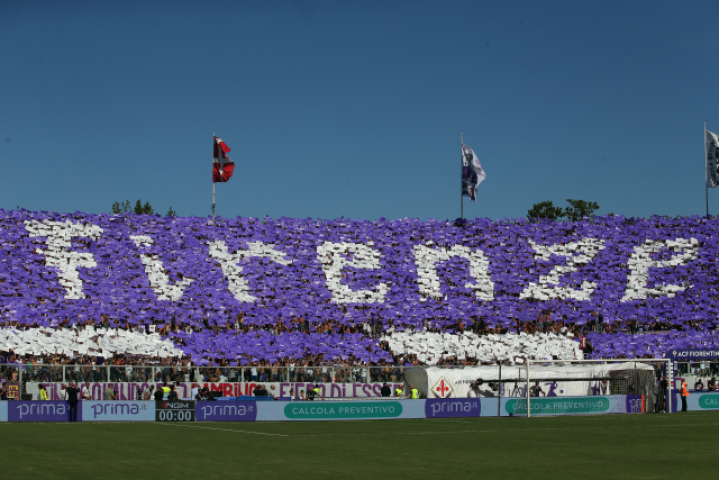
<point>472,173</point>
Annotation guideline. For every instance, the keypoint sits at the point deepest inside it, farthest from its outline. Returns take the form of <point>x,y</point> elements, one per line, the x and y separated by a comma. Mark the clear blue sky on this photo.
<point>355,108</point>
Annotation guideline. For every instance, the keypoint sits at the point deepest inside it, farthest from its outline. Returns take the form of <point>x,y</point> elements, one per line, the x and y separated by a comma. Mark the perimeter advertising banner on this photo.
<point>117,411</point>
<point>40,411</point>
<point>347,410</point>
<point>697,401</point>
<point>3,411</point>
<point>595,405</point>
<point>243,411</point>
<point>461,407</point>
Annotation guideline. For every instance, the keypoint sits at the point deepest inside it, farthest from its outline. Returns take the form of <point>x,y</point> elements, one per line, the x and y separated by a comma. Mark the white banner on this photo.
<point>130,390</point>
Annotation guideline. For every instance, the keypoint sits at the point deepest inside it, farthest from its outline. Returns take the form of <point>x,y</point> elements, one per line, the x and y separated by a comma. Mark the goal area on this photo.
<point>559,387</point>
<point>592,387</point>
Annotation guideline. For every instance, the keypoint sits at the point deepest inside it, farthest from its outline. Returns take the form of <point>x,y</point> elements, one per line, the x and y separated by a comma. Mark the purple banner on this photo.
<point>41,411</point>
<point>244,411</point>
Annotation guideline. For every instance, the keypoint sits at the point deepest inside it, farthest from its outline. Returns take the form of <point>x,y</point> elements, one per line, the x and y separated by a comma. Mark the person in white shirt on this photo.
<point>195,392</point>
<point>86,391</point>
<point>63,392</point>
<point>147,394</point>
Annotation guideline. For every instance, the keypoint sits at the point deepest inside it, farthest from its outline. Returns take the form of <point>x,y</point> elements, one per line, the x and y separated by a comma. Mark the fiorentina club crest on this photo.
<point>442,389</point>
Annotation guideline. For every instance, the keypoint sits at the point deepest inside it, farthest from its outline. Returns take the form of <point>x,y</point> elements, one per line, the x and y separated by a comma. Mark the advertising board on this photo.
<point>117,411</point>
<point>244,411</point>
<point>3,411</point>
<point>40,411</point>
<point>698,401</point>
<point>347,410</point>
<point>594,405</point>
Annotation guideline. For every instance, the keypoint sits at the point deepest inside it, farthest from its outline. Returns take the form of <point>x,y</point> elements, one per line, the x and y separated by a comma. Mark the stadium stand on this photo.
<point>81,288</point>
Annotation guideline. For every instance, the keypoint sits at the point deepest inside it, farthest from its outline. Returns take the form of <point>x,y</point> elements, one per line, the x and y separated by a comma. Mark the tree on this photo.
<point>123,207</point>
<point>126,207</point>
<point>578,209</point>
<point>545,210</point>
<point>171,213</point>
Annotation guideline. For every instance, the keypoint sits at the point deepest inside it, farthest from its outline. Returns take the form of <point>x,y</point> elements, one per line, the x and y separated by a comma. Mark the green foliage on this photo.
<point>171,213</point>
<point>126,207</point>
<point>121,207</point>
<point>545,210</point>
<point>576,210</point>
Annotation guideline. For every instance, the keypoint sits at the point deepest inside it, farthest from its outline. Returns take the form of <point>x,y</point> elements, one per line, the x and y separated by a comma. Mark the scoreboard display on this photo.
<point>175,411</point>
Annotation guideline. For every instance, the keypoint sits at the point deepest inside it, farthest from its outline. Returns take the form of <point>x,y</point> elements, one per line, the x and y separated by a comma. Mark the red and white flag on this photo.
<point>222,166</point>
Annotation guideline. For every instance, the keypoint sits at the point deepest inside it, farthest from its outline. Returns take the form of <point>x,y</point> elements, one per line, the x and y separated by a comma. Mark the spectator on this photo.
<point>314,393</point>
<point>698,385</point>
<point>711,384</point>
<point>147,393</point>
<point>272,392</point>
<point>63,392</point>
<point>385,391</point>
<point>259,391</point>
<point>109,393</point>
<point>172,396</point>
<point>86,392</point>
<point>303,397</point>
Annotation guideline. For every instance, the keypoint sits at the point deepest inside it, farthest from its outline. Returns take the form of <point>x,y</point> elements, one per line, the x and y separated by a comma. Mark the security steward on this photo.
<point>43,393</point>
<point>413,393</point>
<point>398,391</point>
<point>684,394</point>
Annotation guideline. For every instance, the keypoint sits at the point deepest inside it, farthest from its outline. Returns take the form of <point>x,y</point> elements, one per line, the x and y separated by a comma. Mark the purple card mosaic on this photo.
<point>250,289</point>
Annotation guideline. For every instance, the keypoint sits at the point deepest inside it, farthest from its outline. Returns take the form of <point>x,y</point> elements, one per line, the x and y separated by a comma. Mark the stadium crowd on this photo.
<point>289,296</point>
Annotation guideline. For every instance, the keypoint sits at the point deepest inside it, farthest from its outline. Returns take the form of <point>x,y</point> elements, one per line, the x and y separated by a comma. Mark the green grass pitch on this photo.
<point>603,447</point>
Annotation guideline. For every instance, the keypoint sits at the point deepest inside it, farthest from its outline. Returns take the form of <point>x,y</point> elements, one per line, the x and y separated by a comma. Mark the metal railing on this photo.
<point>48,373</point>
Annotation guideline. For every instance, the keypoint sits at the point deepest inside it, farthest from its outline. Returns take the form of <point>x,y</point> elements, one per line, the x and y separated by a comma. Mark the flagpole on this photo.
<point>213,180</point>
<point>461,176</point>
<point>706,170</point>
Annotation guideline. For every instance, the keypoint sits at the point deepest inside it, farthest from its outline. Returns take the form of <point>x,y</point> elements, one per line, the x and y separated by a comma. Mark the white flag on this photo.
<point>472,173</point>
<point>712,162</point>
